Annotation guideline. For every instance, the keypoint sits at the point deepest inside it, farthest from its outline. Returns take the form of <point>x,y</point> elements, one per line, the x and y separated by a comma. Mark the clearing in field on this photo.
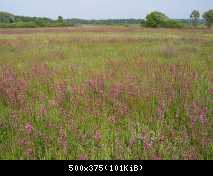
<point>106,93</point>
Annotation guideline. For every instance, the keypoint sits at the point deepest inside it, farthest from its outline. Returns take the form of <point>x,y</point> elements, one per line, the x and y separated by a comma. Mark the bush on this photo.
<point>158,19</point>
<point>28,24</point>
<point>173,24</point>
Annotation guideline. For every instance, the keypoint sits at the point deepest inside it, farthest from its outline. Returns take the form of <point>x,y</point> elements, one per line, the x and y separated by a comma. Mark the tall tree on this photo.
<point>6,17</point>
<point>60,19</point>
<point>208,16</point>
<point>195,15</point>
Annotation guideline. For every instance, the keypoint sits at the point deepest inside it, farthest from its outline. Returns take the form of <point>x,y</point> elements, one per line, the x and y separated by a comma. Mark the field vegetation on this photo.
<point>106,93</point>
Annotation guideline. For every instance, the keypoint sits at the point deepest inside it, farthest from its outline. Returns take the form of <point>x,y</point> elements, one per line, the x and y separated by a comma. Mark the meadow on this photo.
<point>106,93</point>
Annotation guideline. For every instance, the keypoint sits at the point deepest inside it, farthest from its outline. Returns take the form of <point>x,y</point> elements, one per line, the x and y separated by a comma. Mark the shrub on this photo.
<point>173,24</point>
<point>158,19</point>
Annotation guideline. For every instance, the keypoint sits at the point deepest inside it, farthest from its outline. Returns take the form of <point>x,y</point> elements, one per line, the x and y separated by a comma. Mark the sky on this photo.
<point>103,9</point>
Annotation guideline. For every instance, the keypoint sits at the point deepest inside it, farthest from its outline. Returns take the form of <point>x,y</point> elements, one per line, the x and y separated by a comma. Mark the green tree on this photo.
<point>6,17</point>
<point>208,16</point>
<point>156,19</point>
<point>60,19</point>
<point>195,15</point>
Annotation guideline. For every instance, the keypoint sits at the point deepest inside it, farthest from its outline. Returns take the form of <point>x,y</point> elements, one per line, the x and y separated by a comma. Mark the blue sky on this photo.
<point>103,9</point>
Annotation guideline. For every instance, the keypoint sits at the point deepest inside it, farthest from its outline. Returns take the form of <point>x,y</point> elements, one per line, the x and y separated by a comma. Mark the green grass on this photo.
<point>106,93</point>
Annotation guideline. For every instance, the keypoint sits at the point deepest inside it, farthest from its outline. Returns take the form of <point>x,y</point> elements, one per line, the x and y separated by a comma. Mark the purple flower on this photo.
<point>160,109</point>
<point>100,85</point>
<point>75,89</point>
<point>92,84</point>
<point>63,140</point>
<point>97,136</point>
<point>203,116</point>
<point>116,90</point>
<point>29,128</point>
<point>193,113</point>
<point>157,157</point>
<point>83,157</point>
<point>42,111</point>
<point>211,91</point>
<point>133,140</point>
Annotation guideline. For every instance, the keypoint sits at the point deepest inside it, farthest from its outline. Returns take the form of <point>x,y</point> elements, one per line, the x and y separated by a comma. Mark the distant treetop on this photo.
<point>6,17</point>
<point>208,16</point>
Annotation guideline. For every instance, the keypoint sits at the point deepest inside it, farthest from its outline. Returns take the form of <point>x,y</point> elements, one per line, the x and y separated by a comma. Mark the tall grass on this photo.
<point>132,94</point>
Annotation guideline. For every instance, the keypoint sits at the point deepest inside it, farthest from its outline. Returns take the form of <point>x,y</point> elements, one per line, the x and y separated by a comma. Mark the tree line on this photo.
<point>159,19</point>
<point>154,19</point>
<point>11,20</point>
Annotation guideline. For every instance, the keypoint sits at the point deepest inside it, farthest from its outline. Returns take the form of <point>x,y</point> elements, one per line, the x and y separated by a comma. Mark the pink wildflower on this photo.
<point>63,140</point>
<point>203,116</point>
<point>211,91</point>
<point>42,111</point>
<point>83,157</point>
<point>157,157</point>
<point>29,128</point>
<point>160,109</point>
<point>133,140</point>
<point>97,136</point>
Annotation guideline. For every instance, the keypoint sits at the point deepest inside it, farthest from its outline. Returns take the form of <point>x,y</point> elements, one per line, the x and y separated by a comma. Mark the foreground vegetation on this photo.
<point>106,93</point>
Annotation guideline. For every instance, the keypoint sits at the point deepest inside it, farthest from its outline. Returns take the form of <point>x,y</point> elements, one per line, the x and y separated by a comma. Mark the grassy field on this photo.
<point>106,93</point>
